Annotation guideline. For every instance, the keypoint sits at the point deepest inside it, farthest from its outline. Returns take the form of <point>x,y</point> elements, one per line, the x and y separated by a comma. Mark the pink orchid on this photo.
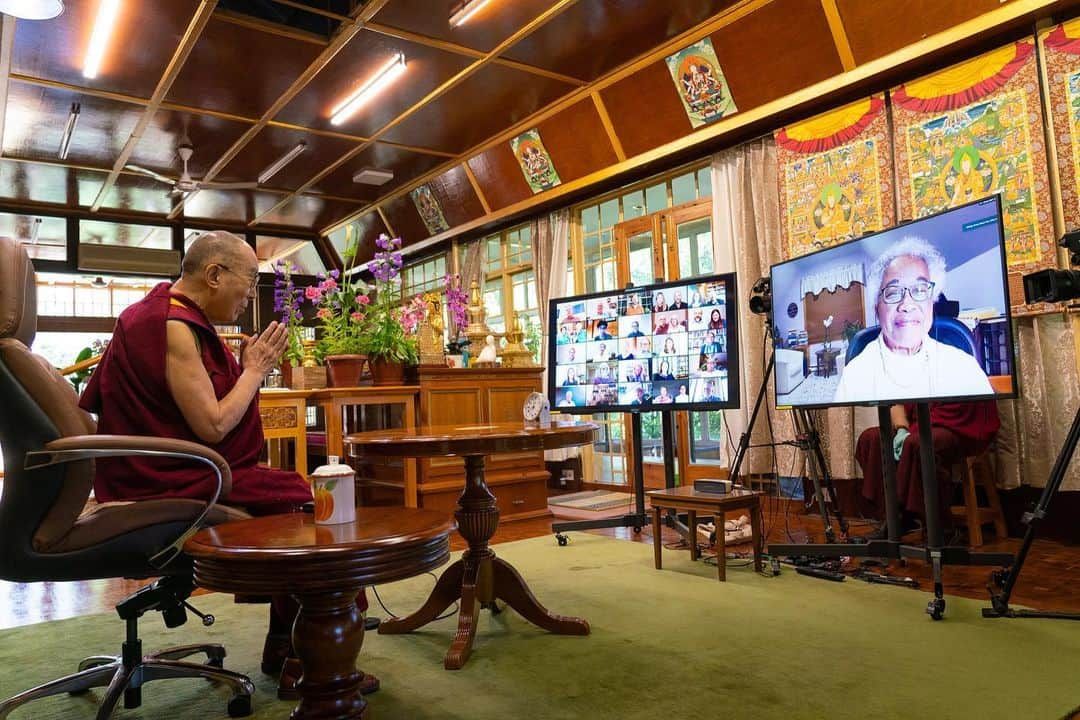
<point>312,293</point>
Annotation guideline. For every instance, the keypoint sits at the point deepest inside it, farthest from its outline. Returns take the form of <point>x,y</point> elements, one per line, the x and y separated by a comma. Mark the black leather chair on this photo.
<point>947,330</point>
<point>49,446</point>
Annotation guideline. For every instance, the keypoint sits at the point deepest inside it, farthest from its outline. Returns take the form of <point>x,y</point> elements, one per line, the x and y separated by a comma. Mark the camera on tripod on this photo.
<point>1056,285</point>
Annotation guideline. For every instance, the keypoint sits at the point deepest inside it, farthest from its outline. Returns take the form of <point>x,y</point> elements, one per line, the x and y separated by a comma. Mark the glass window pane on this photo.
<point>61,348</point>
<point>682,189</point>
<point>45,238</point>
<point>493,305</point>
<point>609,213</point>
<point>695,247</point>
<point>633,204</point>
<point>706,438</point>
<point>494,252</point>
<point>100,232</point>
<point>656,198</point>
<point>590,219</point>
<point>591,243</point>
<point>301,253</point>
<point>704,182</point>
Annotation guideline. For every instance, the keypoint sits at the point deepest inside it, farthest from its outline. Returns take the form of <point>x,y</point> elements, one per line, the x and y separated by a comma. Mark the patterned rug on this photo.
<point>591,504</point>
<point>812,390</point>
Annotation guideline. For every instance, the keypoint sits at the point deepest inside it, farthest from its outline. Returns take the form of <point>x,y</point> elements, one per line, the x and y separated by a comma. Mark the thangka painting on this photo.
<point>701,84</point>
<point>974,130</point>
<point>836,176</point>
<point>535,161</point>
<point>430,211</point>
<point>1061,53</point>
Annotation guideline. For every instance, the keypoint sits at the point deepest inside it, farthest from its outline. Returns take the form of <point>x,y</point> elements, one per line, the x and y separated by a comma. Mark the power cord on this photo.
<point>375,590</point>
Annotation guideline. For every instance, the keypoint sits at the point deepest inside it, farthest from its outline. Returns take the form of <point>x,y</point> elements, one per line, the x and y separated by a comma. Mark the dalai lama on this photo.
<point>167,373</point>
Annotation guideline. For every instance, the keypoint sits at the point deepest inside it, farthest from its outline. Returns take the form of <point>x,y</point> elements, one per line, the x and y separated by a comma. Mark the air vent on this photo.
<point>292,17</point>
<point>371,176</point>
<point>124,259</point>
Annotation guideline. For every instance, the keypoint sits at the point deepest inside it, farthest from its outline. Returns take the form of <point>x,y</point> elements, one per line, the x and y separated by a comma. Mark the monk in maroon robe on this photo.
<point>167,373</point>
<point>958,430</point>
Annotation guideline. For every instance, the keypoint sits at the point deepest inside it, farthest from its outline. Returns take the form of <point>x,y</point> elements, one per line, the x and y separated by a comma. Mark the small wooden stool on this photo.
<point>970,513</point>
<point>695,503</point>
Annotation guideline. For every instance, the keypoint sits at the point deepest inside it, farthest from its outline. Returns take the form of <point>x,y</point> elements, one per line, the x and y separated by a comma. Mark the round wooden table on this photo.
<point>324,566</point>
<point>479,577</point>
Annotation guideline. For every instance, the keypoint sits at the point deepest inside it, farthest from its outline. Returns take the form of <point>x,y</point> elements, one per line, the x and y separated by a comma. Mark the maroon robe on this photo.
<point>958,430</point>
<point>129,394</point>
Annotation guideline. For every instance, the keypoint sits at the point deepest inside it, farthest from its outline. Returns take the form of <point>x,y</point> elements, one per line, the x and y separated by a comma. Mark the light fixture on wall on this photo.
<point>382,77</point>
<point>32,9</point>
<point>99,282</point>
<point>465,10</point>
<point>99,38</point>
<point>275,167</point>
<point>69,130</point>
<point>372,176</point>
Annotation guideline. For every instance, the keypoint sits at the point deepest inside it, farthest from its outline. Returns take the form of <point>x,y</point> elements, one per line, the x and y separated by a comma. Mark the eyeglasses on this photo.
<point>251,279</point>
<point>919,292</point>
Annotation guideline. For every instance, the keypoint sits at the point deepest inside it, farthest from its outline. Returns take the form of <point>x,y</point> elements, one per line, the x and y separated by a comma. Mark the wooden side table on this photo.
<point>696,503</point>
<point>283,417</point>
<point>478,578</point>
<point>324,566</point>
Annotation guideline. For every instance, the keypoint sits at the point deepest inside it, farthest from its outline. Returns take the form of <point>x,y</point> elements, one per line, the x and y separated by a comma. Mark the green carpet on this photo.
<point>664,642</point>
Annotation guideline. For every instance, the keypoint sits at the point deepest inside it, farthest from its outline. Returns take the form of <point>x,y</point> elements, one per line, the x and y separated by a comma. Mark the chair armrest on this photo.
<point>88,447</point>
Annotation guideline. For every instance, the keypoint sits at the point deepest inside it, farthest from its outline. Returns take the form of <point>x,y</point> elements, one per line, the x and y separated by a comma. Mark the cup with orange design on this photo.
<point>335,495</point>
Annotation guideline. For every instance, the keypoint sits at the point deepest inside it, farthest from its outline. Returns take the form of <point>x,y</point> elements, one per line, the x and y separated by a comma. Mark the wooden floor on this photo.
<point>1048,580</point>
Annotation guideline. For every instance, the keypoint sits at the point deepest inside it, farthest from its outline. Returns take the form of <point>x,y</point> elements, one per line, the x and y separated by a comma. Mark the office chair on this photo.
<point>49,446</point>
<point>947,330</point>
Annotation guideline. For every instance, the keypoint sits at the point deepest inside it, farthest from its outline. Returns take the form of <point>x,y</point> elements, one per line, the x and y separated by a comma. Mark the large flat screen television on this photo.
<point>919,312</point>
<point>668,346</point>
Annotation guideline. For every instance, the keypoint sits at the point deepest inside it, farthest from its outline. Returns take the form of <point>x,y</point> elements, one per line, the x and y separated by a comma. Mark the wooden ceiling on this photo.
<point>246,80</point>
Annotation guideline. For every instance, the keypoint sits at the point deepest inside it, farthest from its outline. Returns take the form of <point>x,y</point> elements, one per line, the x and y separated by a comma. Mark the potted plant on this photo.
<point>342,303</point>
<point>385,341</point>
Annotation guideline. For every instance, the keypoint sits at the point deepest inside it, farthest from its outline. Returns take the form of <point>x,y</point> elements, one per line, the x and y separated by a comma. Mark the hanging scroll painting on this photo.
<point>430,211</point>
<point>535,161</point>
<point>1061,54</point>
<point>702,87</point>
<point>836,176</point>
<point>973,130</point>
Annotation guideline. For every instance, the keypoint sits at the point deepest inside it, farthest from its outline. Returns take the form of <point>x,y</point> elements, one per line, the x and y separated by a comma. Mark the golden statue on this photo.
<point>430,332</point>
<point>516,354</point>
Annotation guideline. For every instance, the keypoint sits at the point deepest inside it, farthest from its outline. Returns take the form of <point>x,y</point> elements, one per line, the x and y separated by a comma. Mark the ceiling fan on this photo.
<point>185,183</point>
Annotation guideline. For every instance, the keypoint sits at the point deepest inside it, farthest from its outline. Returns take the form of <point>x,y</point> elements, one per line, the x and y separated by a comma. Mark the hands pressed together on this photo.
<point>262,351</point>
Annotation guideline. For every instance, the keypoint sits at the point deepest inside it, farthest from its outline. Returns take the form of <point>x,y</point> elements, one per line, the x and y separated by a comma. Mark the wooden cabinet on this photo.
<point>480,396</point>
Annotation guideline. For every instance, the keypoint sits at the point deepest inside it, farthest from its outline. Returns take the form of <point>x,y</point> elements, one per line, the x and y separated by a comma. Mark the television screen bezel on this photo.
<point>1012,395</point>
<point>731,312</point>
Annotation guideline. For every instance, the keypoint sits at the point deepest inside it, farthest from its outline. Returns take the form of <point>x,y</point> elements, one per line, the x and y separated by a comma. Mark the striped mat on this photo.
<point>594,500</point>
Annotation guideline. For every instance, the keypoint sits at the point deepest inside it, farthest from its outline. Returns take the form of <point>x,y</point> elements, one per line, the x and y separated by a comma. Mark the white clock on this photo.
<point>537,409</point>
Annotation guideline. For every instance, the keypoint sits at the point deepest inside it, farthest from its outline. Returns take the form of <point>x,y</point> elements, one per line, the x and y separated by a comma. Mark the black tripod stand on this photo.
<point>1006,578</point>
<point>807,440</point>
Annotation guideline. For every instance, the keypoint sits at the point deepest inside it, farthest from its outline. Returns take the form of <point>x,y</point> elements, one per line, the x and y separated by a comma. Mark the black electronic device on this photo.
<point>717,487</point>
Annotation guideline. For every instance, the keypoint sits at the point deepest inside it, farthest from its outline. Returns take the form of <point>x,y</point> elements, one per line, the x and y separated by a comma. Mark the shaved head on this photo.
<point>215,247</point>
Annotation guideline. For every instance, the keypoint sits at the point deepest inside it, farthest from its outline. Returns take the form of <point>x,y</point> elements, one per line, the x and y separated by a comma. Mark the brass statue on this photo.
<point>430,332</point>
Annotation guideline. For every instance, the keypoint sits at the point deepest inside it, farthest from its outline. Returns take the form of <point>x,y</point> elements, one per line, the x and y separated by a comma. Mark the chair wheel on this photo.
<point>562,539</point>
<point>936,608</point>
<point>239,706</point>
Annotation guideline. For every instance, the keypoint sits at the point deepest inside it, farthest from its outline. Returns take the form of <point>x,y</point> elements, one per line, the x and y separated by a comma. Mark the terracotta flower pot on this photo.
<point>344,370</point>
<point>386,372</point>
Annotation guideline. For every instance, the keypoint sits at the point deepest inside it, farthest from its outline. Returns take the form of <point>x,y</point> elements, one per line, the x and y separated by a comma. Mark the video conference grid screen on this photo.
<point>667,345</point>
<point>918,312</point>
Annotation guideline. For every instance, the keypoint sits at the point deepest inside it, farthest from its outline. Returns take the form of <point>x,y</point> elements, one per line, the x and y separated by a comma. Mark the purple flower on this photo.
<point>335,274</point>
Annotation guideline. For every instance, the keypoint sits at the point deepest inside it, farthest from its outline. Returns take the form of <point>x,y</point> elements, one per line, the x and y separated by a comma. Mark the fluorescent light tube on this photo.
<point>103,27</point>
<point>465,10</point>
<point>383,77</point>
<point>69,130</point>
<point>276,166</point>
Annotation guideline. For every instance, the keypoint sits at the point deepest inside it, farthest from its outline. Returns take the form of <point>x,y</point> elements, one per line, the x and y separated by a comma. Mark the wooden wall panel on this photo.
<point>783,47</point>
<point>875,29</point>
<point>499,176</point>
<point>455,193</point>
<point>645,109</point>
<point>402,215</point>
<point>576,140</point>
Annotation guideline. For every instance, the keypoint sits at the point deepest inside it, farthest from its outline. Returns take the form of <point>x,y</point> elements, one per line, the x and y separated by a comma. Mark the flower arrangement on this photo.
<point>385,336</point>
<point>457,304</point>
<point>342,303</point>
<point>827,322</point>
<point>287,300</point>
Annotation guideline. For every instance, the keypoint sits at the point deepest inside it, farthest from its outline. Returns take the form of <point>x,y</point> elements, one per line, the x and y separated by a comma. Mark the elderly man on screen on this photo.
<point>167,373</point>
<point>904,361</point>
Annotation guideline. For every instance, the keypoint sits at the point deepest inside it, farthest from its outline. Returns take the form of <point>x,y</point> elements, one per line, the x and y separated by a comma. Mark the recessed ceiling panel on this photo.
<point>425,69</point>
<point>143,40</point>
<point>36,117</point>
<point>130,193</point>
<point>595,36</point>
<point>486,103</point>
<point>240,70</point>
<point>274,142</point>
<point>36,182</point>
<point>210,135</point>
<point>405,165</point>
<point>491,24</point>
